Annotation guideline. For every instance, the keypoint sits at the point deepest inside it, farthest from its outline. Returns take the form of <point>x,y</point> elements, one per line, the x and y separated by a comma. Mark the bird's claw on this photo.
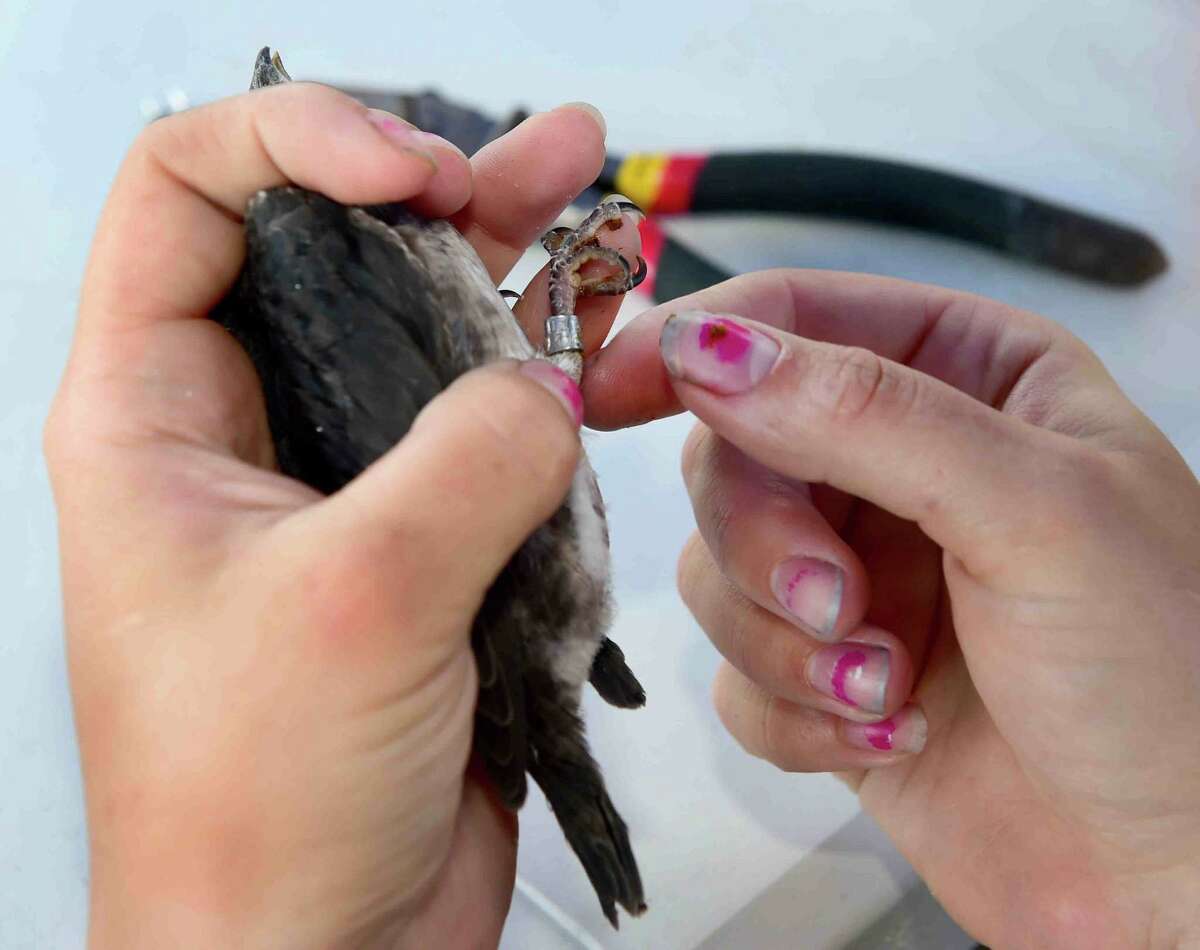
<point>639,275</point>
<point>555,238</point>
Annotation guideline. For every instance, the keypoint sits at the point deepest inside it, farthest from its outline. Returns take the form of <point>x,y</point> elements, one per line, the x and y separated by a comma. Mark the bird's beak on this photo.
<point>268,70</point>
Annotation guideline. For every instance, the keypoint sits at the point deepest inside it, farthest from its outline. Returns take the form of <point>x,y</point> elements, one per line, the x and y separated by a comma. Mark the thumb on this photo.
<point>484,464</point>
<point>874,428</point>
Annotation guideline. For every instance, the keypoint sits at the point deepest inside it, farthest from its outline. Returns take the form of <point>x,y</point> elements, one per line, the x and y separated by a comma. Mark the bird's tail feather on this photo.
<point>595,831</point>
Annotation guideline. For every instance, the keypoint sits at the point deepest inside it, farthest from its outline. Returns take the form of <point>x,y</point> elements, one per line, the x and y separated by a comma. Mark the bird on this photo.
<point>355,318</point>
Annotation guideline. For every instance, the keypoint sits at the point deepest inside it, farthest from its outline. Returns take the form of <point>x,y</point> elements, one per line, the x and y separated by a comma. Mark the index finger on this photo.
<point>976,345</point>
<point>524,179</point>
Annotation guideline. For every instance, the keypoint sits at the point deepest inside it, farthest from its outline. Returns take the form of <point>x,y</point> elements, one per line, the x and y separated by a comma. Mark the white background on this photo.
<point>1093,104</point>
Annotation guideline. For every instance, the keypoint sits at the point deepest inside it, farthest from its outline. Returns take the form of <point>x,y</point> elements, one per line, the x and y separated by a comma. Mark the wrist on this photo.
<point>193,897</point>
<point>188,899</point>
<point>154,905</point>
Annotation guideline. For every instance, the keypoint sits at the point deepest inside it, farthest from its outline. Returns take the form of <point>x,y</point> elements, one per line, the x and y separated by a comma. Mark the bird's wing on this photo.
<point>501,725</point>
<point>353,327</point>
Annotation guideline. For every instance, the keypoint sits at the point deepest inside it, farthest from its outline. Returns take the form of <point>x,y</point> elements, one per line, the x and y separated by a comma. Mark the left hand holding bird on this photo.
<point>274,690</point>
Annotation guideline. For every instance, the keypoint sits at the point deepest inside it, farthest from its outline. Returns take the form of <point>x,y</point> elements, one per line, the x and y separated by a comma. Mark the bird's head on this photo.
<point>268,70</point>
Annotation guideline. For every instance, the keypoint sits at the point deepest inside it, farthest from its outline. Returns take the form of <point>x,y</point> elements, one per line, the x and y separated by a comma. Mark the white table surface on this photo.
<point>1087,103</point>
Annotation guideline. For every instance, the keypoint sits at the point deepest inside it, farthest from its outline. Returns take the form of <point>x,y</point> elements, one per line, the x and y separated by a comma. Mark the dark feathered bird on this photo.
<point>355,318</point>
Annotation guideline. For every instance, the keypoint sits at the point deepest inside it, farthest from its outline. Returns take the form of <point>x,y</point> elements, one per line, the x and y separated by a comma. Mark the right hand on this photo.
<point>944,556</point>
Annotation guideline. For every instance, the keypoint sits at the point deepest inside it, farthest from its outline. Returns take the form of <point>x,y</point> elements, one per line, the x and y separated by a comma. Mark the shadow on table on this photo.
<point>813,905</point>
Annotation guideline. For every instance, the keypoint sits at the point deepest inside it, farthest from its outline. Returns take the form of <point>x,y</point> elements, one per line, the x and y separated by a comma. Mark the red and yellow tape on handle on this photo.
<point>660,183</point>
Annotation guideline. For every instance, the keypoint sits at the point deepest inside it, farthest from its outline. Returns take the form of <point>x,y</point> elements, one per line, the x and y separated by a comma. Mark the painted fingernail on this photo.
<point>811,591</point>
<point>854,673</point>
<point>559,384</point>
<point>716,352</point>
<point>406,137</point>
<point>591,110</point>
<point>905,731</point>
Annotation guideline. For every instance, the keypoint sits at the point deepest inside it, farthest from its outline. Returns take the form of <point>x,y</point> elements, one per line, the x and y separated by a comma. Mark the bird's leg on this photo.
<point>613,679</point>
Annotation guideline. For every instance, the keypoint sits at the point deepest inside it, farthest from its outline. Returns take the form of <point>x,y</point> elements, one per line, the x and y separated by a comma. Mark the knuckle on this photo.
<point>695,448</point>
<point>762,724</point>
<point>1083,481</point>
<point>723,703</point>
<point>1096,475</point>
<point>776,737</point>
<point>152,137</point>
<point>711,493</point>
<point>717,606</point>
<point>169,150</point>
<point>738,705</point>
<point>689,570</point>
<point>853,382</point>
<point>160,141</point>
<point>66,437</point>
<point>1079,488</point>
<point>743,640</point>
<point>53,436</point>
<point>721,527</point>
<point>290,102</point>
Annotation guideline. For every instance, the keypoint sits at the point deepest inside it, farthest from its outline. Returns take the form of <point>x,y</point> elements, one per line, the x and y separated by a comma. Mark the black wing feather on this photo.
<point>352,335</point>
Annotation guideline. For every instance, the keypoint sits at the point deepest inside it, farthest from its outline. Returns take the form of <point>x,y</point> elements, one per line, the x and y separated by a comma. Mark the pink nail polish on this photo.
<point>559,384</point>
<point>404,136</point>
<point>811,591</point>
<point>716,352</point>
<point>853,673</point>
<point>904,732</point>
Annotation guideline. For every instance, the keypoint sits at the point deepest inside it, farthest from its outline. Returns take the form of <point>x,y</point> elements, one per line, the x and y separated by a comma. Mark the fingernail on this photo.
<point>811,591</point>
<point>591,110</point>
<point>716,352</point>
<point>560,385</point>
<point>404,136</point>
<point>635,217</point>
<point>906,731</point>
<point>429,140</point>
<point>854,673</point>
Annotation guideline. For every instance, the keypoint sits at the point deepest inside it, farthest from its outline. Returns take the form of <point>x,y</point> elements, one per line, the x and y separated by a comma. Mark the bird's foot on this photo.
<point>572,249</point>
<point>613,679</point>
<point>607,215</point>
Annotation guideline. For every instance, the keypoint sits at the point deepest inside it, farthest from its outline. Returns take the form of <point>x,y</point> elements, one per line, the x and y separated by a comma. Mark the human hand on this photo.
<point>274,690</point>
<point>944,556</point>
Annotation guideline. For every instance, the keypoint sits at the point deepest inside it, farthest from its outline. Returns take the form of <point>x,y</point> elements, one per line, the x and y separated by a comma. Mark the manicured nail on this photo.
<point>591,110</point>
<point>716,352</point>
<point>854,673</point>
<point>905,731</point>
<point>811,591</point>
<point>406,137</point>
<point>560,384</point>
